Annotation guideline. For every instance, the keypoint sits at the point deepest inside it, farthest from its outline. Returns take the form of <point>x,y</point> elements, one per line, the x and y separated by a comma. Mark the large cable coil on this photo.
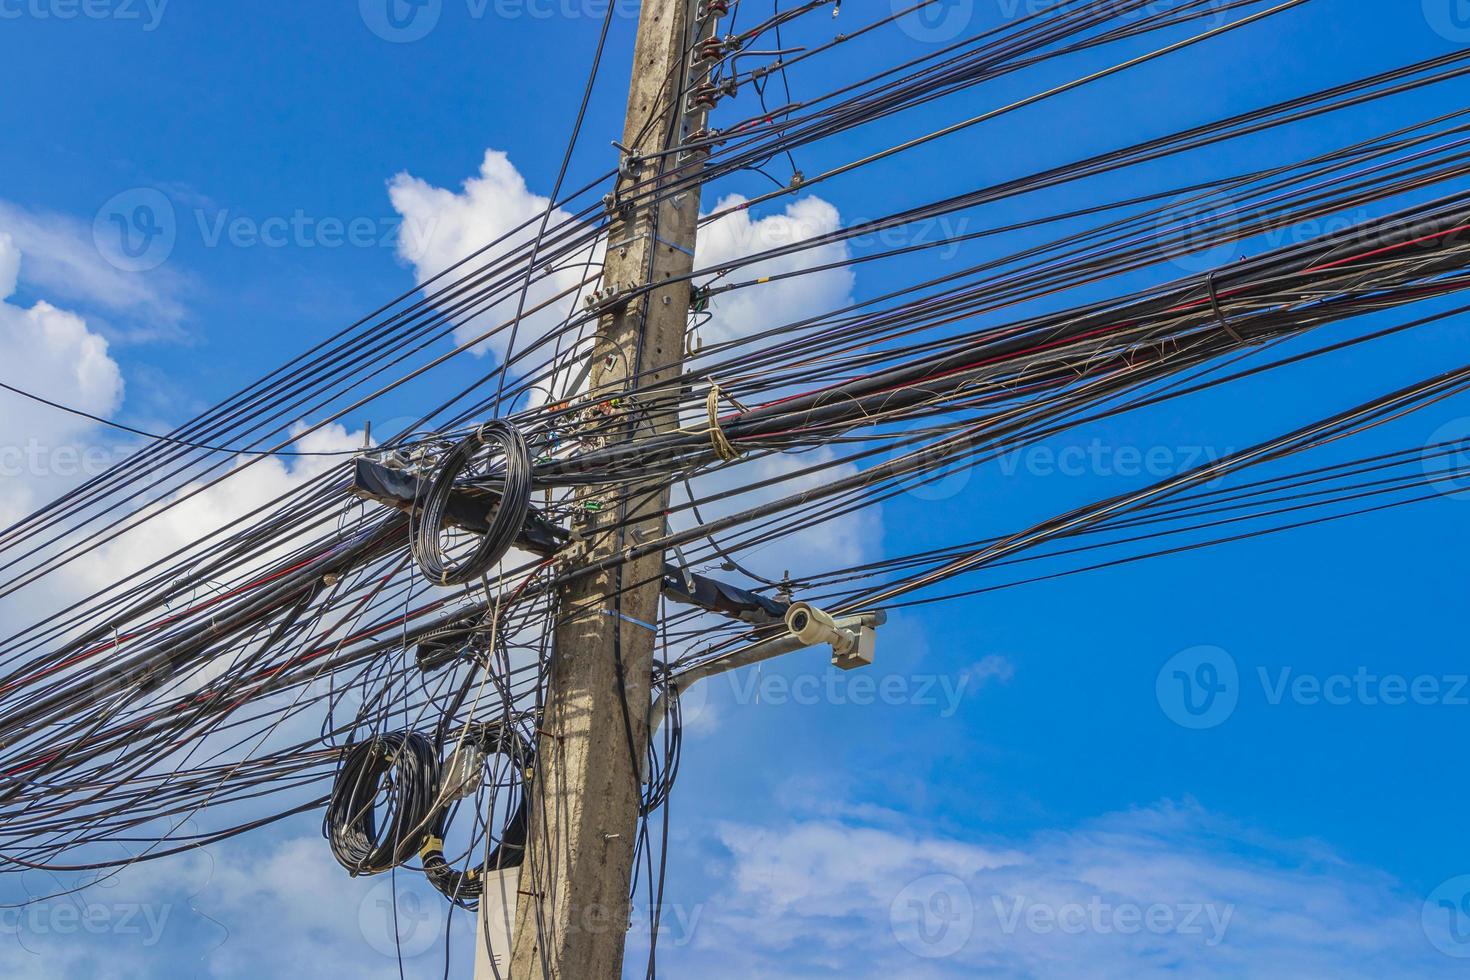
<point>504,523</point>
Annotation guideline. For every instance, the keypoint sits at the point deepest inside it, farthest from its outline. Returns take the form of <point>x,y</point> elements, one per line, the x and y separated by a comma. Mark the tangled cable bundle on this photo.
<point>405,766</point>
<point>504,524</point>
<point>465,887</point>
<point>313,606</point>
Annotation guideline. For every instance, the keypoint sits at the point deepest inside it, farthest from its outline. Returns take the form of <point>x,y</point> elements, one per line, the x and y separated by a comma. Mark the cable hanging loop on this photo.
<point>721,443</point>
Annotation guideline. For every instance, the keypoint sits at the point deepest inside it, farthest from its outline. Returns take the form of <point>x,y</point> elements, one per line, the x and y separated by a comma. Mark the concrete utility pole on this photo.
<point>572,903</point>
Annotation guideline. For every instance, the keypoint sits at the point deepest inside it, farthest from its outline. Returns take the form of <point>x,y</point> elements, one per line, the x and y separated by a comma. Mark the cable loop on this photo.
<point>723,447</point>
<point>504,525</point>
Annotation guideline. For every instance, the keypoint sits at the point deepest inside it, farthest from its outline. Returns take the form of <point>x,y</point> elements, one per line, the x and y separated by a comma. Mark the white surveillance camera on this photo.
<point>813,627</point>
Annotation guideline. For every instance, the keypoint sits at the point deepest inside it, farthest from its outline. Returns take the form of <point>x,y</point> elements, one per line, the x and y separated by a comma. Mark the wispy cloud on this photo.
<point>1171,889</point>
<point>63,261</point>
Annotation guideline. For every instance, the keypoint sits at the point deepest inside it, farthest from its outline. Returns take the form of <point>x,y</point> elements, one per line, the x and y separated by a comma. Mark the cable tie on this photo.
<point>629,619</point>
<point>1219,313</point>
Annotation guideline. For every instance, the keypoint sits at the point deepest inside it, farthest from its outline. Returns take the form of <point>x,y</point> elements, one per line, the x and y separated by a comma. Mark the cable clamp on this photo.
<point>630,164</point>
<point>605,300</point>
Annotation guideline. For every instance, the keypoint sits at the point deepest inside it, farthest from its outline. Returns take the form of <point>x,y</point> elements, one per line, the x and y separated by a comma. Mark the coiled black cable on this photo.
<point>351,823</point>
<point>503,525</point>
<point>465,887</point>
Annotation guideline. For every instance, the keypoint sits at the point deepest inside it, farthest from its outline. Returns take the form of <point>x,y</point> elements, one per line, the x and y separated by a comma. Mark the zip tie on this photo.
<point>677,248</point>
<point>1219,313</point>
<point>629,619</point>
<point>721,443</point>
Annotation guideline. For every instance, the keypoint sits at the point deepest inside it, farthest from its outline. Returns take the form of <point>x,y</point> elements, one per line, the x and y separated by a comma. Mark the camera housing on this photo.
<point>851,647</point>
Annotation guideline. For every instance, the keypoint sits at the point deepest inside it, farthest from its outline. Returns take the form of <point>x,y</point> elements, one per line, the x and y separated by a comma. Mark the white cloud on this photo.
<point>992,667</point>
<point>52,353</point>
<point>736,234</point>
<point>272,905</point>
<point>251,484</point>
<point>1170,889</point>
<point>442,226</point>
<point>62,258</point>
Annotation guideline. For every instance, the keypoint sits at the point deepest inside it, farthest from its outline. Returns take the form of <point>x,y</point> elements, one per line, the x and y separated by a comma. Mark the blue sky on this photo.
<point>1025,760</point>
